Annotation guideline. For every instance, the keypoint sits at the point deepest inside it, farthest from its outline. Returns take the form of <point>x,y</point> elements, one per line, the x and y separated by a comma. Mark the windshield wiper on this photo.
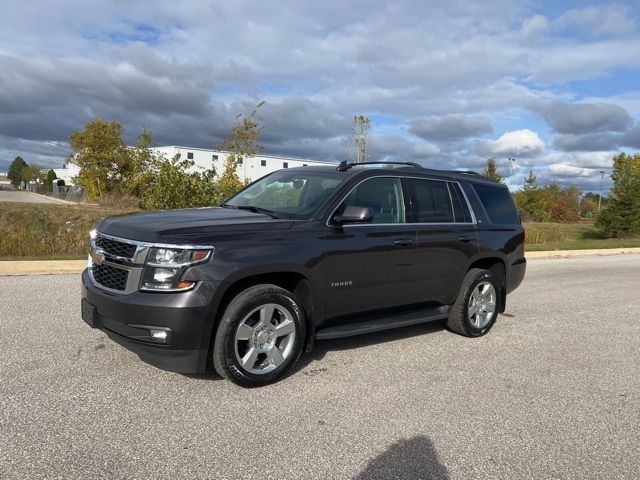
<point>253,209</point>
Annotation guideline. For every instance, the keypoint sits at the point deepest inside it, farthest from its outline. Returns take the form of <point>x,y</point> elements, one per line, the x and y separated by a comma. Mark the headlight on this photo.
<point>165,266</point>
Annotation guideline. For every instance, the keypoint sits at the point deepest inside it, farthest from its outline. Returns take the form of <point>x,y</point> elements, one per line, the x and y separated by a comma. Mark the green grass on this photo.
<point>48,232</point>
<point>571,236</point>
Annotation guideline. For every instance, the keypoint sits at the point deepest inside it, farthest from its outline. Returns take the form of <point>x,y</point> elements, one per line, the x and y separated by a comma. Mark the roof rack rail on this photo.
<point>344,165</point>
<point>465,172</point>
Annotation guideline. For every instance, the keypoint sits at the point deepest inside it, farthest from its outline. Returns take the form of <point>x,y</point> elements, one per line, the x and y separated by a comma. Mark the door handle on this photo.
<point>465,238</point>
<point>403,242</point>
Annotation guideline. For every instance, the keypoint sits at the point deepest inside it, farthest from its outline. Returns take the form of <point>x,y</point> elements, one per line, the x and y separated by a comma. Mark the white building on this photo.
<point>250,168</point>
<point>67,172</point>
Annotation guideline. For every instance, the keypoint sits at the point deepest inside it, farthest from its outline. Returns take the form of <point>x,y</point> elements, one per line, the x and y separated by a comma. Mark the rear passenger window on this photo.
<point>498,204</point>
<point>431,201</point>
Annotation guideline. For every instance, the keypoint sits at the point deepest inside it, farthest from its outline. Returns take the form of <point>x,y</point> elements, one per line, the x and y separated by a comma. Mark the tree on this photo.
<point>172,183</point>
<point>51,176</point>
<point>14,174</point>
<point>242,142</point>
<point>621,216</point>
<point>359,149</point>
<point>32,173</point>
<point>528,198</point>
<point>106,163</point>
<point>547,204</point>
<point>491,171</point>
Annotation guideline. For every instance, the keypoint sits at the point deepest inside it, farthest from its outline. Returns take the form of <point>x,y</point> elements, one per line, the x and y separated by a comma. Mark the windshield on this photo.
<point>288,194</point>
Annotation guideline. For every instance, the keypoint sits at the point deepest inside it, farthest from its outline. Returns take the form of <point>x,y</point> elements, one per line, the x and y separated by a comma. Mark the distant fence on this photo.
<point>72,193</point>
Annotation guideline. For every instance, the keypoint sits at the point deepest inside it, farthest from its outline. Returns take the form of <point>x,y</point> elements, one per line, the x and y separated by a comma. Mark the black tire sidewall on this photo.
<point>237,310</point>
<point>485,275</point>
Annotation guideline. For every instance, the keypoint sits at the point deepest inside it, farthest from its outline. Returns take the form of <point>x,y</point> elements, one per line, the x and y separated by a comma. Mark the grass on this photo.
<point>60,232</point>
<point>571,236</point>
<point>48,232</point>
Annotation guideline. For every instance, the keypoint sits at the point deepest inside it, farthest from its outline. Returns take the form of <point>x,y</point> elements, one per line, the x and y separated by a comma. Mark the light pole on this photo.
<point>601,182</point>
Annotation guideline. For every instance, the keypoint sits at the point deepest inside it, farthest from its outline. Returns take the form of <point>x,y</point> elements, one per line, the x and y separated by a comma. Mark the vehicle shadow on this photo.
<point>414,458</point>
<point>321,348</point>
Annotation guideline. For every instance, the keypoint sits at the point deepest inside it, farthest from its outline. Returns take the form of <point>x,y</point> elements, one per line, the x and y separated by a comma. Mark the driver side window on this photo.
<point>382,195</point>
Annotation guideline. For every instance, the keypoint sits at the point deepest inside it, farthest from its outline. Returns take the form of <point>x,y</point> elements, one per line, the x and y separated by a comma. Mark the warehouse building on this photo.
<point>250,168</point>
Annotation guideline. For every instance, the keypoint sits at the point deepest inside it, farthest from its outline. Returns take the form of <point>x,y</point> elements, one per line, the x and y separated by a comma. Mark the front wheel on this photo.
<point>476,308</point>
<point>260,336</point>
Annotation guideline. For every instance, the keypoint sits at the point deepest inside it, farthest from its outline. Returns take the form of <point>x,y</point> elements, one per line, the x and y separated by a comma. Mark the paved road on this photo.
<point>28,197</point>
<point>552,392</point>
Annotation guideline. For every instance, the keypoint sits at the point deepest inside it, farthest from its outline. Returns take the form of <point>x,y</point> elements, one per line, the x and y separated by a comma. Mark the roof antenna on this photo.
<point>343,167</point>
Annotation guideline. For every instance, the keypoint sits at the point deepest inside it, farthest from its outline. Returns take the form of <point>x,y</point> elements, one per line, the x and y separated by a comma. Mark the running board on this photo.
<point>388,322</point>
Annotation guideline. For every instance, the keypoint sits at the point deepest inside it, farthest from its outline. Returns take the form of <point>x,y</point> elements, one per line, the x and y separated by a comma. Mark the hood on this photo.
<point>188,226</point>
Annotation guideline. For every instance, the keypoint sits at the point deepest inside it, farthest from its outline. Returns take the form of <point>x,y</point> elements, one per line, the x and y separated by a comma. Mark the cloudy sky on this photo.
<point>446,83</point>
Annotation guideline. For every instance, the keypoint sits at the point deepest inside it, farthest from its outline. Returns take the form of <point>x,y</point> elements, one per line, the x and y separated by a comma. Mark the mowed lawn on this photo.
<point>40,231</point>
<point>571,236</point>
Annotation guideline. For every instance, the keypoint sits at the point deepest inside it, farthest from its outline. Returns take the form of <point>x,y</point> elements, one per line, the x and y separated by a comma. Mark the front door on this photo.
<point>371,266</point>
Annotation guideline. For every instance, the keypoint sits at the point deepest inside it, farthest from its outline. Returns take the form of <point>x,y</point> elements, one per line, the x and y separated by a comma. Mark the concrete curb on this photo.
<point>61,267</point>
<point>580,253</point>
<point>41,267</point>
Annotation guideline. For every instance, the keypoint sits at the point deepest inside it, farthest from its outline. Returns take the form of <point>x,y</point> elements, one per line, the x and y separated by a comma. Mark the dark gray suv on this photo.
<point>301,255</point>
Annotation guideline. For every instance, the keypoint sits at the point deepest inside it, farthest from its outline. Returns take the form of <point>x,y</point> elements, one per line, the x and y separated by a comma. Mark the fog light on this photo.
<point>160,335</point>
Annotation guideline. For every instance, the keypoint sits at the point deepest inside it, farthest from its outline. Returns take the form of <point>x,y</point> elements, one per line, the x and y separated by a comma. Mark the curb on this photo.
<point>68,267</point>
<point>41,267</point>
<point>579,253</point>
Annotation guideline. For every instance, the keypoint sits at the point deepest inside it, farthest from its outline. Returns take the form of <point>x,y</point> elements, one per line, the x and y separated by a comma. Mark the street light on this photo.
<point>601,182</point>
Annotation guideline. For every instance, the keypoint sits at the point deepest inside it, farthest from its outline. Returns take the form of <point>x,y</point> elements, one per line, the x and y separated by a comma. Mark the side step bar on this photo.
<point>388,322</point>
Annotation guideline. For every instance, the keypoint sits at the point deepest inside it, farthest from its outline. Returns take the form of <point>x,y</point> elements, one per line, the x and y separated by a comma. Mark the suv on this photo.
<point>300,255</point>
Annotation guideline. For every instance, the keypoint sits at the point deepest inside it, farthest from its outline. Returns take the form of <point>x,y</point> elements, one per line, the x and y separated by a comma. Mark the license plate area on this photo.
<point>89,314</point>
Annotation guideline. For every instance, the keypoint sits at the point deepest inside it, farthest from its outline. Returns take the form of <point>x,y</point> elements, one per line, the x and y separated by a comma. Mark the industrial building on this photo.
<point>250,168</point>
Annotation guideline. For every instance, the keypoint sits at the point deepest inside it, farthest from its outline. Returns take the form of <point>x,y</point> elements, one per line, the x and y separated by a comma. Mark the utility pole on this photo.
<point>512,165</point>
<point>601,182</point>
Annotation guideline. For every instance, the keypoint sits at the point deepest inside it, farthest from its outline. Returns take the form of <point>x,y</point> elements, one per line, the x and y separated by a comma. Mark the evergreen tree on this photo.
<point>491,171</point>
<point>621,216</point>
<point>51,176</point>
<point>15,171</point>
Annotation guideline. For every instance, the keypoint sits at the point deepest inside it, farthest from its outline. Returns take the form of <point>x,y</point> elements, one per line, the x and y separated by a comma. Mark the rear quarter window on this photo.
<point>498,204</point>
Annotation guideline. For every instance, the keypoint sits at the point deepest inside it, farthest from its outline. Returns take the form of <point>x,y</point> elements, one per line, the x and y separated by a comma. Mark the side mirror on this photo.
<point>354,215</point>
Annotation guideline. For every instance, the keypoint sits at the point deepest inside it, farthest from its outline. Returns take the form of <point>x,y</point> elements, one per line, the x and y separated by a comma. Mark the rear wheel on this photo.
<point>476,308</point>
<point>260,336</point>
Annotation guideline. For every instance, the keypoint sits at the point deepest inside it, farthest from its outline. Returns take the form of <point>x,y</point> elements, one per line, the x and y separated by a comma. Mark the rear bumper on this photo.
<point>130,320</point>
<point>516,274</point>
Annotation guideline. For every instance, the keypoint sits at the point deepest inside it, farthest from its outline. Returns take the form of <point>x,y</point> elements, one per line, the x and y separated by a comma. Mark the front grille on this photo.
<point>110,277</point>
<point>115,247</point>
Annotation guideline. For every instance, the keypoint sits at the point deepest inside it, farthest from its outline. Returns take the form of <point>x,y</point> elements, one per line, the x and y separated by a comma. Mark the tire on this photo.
<point>260,336</point>
<point>469,314</point>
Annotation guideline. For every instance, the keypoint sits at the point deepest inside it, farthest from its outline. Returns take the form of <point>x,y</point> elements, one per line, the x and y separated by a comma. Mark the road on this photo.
<point>28,197</point>
<point>553,391</point>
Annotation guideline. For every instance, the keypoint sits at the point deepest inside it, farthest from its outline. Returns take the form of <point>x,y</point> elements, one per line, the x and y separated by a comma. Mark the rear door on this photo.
<point>446,235</point>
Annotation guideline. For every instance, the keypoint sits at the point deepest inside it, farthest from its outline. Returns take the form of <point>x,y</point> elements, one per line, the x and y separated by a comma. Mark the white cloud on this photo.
<point>597,20</point>
<point>535,28</point>
<point>517,143</point>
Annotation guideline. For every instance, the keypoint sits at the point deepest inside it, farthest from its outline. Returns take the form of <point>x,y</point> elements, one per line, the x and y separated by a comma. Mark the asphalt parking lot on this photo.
<point>552,392</point>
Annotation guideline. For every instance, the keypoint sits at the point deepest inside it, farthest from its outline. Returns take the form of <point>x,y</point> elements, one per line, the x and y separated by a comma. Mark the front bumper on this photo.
<point>130,319</point>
